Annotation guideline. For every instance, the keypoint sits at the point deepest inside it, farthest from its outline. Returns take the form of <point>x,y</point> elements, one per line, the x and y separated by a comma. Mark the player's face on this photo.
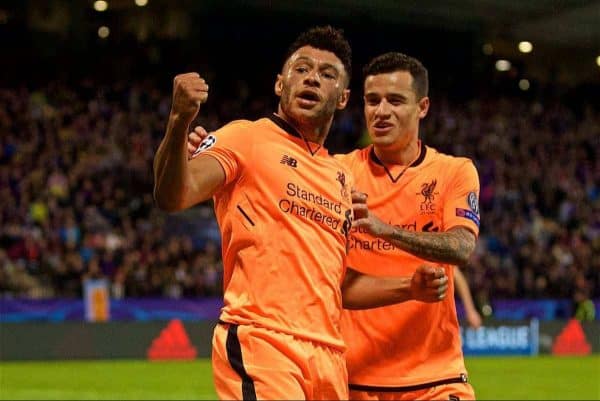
<point>312,85</point>
<point>392,110</point>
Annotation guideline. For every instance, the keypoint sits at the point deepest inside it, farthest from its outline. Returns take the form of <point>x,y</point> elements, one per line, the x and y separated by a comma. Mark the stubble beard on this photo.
<point>315,117</point>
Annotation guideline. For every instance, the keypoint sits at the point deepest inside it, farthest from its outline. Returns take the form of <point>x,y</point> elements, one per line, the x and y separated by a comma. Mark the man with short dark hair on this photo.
<point>418,205</point>
<point>284,209</point>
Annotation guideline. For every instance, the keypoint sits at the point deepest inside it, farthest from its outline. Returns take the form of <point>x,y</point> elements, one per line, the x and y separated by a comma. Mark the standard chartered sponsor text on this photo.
<point>301,209</point>
<point>296,191</point>
<point>376,243</point>
<point>367,242</point>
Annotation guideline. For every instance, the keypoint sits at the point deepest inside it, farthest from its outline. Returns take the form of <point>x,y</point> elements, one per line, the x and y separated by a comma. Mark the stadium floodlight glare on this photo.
<point>100,5</point>
<point>487,49</point>
<point>524,84</point>
<point>103,32</point>
<point>598,61</point>
<point>141,3</point>
<point>525,46</point>
<point>503,65</point>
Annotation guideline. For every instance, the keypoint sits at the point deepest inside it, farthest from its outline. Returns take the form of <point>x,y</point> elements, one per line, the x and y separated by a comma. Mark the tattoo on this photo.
<point>454,246</point>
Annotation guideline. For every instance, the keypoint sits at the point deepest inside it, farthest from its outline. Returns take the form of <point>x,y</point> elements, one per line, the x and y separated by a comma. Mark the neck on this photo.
<point>312,132</point>
<point>404,157</point>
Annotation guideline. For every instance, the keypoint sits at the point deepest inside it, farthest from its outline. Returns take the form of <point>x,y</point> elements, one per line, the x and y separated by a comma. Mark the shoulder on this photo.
<point>350,160</point>
<point>236,134</point>
<point>449,162</point>
<point>235,126</point>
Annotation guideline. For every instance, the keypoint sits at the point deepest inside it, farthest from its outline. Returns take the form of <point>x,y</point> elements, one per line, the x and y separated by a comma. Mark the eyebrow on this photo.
<point>322,65</point>
<point>393,95</point>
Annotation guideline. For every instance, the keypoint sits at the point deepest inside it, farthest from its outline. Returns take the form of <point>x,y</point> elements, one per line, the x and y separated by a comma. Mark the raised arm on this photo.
<point>362,291</point>
<point>179,182</point>
<point>454,246</point>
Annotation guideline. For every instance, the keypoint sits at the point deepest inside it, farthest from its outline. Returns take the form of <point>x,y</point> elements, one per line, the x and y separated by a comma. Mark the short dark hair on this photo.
<point>325,38</point>
<point>394,61</point>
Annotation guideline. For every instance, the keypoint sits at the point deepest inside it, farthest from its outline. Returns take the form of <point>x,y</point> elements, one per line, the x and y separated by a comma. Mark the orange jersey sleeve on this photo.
<point>231,146</point>
<point>461,206</point>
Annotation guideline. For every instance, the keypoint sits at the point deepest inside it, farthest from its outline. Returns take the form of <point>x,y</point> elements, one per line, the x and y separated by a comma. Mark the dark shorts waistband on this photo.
<point>359,387</point>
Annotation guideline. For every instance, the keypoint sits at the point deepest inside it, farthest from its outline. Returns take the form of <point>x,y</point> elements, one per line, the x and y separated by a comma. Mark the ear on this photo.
<point>279,85</point>
<point>343,99</point>
<point>423,107</point>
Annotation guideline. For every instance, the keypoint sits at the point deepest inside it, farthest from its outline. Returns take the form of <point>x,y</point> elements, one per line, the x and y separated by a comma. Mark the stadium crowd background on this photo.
<point>78,140</point>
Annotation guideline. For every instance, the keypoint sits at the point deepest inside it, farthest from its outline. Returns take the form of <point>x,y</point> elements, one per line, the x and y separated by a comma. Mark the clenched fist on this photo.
<point>429,284</point>
<point>189,92</point>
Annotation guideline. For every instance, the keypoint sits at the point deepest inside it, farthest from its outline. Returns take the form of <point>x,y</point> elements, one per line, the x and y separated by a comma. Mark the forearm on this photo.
<point>170,167</point>
<point>361,291</point>
<point>452,247</point>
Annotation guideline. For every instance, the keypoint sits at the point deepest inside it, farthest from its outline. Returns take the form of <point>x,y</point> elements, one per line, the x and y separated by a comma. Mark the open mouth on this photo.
<point>308,96</point>
<point>382,128</point>
<point>382,125</point>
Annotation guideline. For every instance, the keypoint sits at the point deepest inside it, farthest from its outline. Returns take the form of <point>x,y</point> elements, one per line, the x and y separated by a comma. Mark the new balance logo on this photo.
<point>290,161</point>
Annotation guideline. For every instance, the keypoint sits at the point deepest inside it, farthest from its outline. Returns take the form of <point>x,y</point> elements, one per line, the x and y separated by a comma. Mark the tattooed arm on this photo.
<point>454,246</point>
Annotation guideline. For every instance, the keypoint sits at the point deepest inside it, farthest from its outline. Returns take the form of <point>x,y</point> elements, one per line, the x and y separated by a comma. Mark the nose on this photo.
<point>313,78</point>
<point>382,109</point>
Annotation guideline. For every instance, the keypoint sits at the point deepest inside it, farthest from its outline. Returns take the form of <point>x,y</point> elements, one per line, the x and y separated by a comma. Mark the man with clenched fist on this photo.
<point>284,208</point>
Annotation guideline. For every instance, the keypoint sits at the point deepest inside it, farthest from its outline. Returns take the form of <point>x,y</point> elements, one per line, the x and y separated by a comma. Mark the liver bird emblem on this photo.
<point>427,191</point>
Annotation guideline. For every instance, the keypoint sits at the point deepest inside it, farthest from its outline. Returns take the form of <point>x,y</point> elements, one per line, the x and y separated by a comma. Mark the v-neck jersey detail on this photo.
<point>415,163</point>
<point>291,130</point>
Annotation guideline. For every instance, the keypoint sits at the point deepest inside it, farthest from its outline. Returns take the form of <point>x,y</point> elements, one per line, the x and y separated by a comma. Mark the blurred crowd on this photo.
<point>76,192</point>
<point>540,194</point>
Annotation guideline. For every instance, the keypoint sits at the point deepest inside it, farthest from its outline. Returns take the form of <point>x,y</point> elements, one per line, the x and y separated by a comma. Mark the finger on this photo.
<point>360,223</point>
<point>180,78</point>
<point>189,75</point>
<point>360,208</point>
<point>437,283</point>
<point>442,290</point>
<point>198,86</point>
<point>425,270</point>
<point>194,139</point>
<point>200,97</point>
<point>359,197</point>
<point>191,85</point>
<point>360,212</point>
<point>436,272</point>
<point>191,148</point>
<point>201,132</point>
<point>191,79</point>
<point>193,95</point>
<point>434,286</point>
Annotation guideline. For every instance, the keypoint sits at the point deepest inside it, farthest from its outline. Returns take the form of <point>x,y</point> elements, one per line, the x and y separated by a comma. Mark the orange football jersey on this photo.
<point>413,342</point>
<point>284,214</point>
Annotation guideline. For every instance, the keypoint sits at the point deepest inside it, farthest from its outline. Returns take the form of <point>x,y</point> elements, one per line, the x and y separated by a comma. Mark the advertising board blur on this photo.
<point>502,338</point>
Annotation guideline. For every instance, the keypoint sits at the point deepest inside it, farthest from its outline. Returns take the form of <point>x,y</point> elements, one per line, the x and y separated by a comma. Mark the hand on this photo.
<point>195,138</point>
<point>429,284</point>
<point>189,92</point>
<point>363,218</point>
<point>473,318</point>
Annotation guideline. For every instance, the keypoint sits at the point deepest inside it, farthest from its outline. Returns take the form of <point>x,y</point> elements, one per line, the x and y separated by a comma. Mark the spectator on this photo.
<point>76,184</point>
